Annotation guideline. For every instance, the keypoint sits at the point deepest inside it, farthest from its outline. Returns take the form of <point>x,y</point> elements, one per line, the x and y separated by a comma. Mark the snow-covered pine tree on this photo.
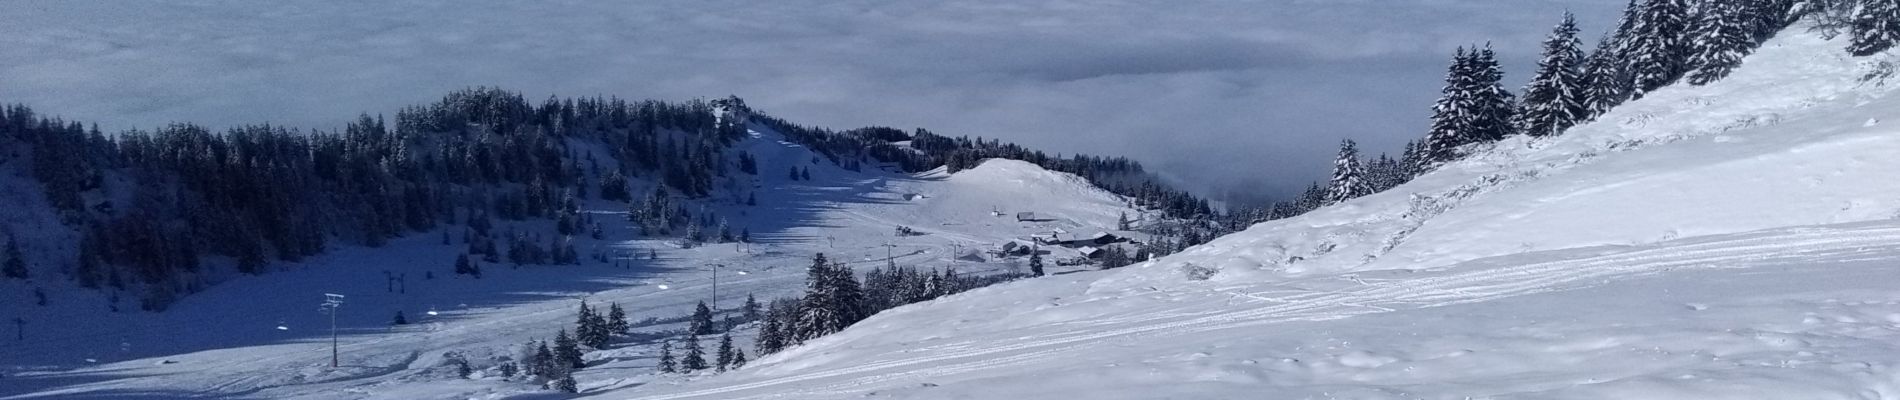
<point>1553,100</point>
<point>952,283</point>
<point>1658,48</point>
<point>1875,27</point>
<point>933,286</point>
<point>818,311</point>
<point>849,295</point>
<point>600,331</point>
<point>667,363</point>
<point>545,364</point>
<point>1311,198</point>
<point>693,235</point>
<point>15,263</point>
<point>738,359</point>
<point>567,352</point>
<point>1409,161</point>
<point>725,232</point>
<point>1494,108</point>
<point>617,320</point>
<point>1349,177</point>
<point>1448,119</point>
<point>723,356</point>
<point>695,358</point>
<point>1605,85</point>
<point>584,324</point>
<point>1767,17</point>
<point>771,337</point>
<point>751,308</point>
<point>1625,26</point>
<point>1722,36</point>
<point>1382,173</point>
<point>702,320</point>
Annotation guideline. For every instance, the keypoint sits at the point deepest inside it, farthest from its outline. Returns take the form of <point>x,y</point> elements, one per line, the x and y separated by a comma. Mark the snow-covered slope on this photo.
<point>261,337</point>
<point>1728,241</point>
<point>1793,138</point>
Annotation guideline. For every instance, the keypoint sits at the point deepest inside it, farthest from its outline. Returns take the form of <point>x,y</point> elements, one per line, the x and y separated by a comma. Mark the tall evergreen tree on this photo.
<point>1382,173</point>
<point>695,358</point>
<point>723,355</point>
<point>1605,83</point>
<point>702,321</point>
<point>1349,177</point>
<point>1658,49</point>
<point>545,364</point>
<point>1875,27</point>
<point>818,311</point>
<point>751,308</point>
<point>771,337</point>
<point>668,364</point>
<point>1410,160</point>
<point>586,325</point>
<point>617,320</point>
<point>567,352</point>
<point>1494,108</point>
<point>1554,99</point>
<point>1450,115</point>
<point>1722,36</point>
<point>1771,16</point>
<point>738,359</point>
<point>849,295</point>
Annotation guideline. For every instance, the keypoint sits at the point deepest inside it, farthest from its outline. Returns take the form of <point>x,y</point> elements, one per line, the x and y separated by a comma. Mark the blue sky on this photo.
<point>1244,98</point>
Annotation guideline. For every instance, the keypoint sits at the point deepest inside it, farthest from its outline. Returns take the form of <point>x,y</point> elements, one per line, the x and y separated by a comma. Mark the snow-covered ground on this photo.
<point>1733,241</point>
<point>262,337</point>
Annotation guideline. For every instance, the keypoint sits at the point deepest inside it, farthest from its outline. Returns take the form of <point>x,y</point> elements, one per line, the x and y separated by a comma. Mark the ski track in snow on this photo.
<point>1458,288</point>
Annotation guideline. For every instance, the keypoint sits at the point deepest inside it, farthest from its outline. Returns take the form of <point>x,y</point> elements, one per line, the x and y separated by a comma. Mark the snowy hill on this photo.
<point>261,337</point>
<point>1735,240</point>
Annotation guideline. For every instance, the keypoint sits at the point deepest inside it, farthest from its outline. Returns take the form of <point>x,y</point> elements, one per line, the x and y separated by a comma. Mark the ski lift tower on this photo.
<point>715,284</point>
<point>331,302</point>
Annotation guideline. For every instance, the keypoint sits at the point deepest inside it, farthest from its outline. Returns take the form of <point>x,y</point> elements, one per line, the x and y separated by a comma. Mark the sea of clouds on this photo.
<point>1241,99</point>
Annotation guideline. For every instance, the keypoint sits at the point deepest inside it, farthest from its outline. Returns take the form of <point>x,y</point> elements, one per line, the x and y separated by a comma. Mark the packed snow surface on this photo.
<point>1731,241</point>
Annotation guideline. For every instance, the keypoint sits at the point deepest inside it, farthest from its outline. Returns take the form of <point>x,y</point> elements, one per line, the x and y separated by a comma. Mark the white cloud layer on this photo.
<point>1244,97</point>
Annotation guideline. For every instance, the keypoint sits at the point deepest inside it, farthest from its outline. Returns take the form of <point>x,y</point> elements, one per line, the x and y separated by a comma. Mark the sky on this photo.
<point>1232,99</point>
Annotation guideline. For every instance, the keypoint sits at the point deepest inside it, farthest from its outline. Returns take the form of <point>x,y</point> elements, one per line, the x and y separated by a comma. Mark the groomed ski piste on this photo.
<point>263,337</point>
<point>1731,241</point>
